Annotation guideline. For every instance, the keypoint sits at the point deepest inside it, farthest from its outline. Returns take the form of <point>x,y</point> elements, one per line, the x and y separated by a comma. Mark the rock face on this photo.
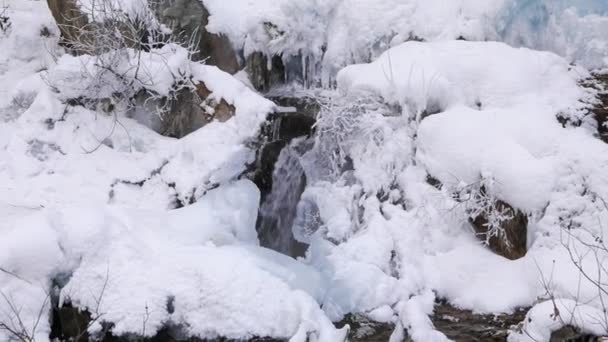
<point>188,20</point>
<point>601,109</point>
<point>264,75</point>
<point>280,176</point>
<point>69,19</point>
<point>192,110</point>
<point>511,240</point>
<point>465,326</point>
<point>456,324</point>
<point>280,129</point>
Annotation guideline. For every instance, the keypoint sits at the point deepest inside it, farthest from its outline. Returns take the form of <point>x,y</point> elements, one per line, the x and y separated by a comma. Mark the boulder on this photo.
<point>264,75</point>
<point>188,20</point>
<point>511,240</point>
<point>601,109</point>
<point>193,109</point>
<point>69,18</point>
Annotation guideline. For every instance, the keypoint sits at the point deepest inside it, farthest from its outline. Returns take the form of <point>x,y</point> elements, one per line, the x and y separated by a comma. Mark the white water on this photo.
<point>278,210</point>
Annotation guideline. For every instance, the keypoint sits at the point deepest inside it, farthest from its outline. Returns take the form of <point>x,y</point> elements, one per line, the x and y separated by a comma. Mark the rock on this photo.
<point>267,158</point>
<point>69,19</point>
<point>303,105</point>
<point>600,111</point>
<point>363,329</point>
<point>277,132</point>
<point>571,334</point>
<point>193,109</point>
<point>188,20</point>
<point>466,326</point>
<point>511,241</point>
<point>70,323</point>
<point>264,75</point>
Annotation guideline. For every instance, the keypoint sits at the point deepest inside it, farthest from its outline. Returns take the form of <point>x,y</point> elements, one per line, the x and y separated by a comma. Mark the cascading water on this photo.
<point>278,211</point>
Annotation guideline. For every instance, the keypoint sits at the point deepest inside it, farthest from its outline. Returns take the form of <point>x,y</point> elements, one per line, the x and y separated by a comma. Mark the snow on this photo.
<point>265,293</point>
<point>91,202</point>
<point>73,214</point>
<point>541,321</point>
<point>324,36</point>
<point>452,112</point>
<point>489,110</point>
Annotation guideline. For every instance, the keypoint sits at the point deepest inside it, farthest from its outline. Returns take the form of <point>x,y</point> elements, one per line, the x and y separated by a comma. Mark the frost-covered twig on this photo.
<point>14,324</point>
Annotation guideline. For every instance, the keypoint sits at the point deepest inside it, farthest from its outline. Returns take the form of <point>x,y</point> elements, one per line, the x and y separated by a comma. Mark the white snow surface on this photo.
<point>492,115</point>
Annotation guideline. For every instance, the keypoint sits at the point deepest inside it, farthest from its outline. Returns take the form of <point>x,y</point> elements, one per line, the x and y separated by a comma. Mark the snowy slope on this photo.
<point>91,202</point>
<point>85,198</point>
<point>491,118</point>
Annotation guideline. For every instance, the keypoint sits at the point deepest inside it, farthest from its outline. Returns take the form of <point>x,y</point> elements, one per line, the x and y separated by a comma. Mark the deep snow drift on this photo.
<point>89,200</point>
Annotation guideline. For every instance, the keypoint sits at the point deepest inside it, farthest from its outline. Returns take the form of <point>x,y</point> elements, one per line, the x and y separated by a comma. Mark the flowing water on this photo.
<point>278,211</point>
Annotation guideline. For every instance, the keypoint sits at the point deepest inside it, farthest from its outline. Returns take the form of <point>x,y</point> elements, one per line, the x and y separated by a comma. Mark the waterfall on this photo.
<point>278,211</point>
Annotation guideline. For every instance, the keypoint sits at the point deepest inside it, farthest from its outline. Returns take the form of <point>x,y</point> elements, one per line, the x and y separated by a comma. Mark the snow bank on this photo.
<point>491,110</point>
<point>542,320</point>
<point>204,259</point>
<point>459,112</point>
<point>86,198</point>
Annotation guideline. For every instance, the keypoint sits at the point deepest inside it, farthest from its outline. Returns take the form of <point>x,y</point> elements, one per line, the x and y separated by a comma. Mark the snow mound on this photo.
<point>86,197</point>
<point>404,134</point>
<point>490,110</point>
<point>203,259</point>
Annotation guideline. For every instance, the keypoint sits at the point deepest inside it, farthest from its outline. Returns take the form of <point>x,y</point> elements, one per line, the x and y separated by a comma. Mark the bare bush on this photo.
<point>124,58</point>
<point>479,200</point>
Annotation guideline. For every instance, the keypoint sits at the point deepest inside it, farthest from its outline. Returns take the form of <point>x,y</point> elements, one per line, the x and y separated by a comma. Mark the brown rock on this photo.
<point>188,19</point>
<point>193,109</point>
<point>511,240</point>
<point>69,19</point>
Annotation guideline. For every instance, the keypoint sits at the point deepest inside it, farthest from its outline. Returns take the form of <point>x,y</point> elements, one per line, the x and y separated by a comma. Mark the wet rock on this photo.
<point>281,178</point>
<point>571,334</point>
<point>457,324</point>
<point>303,105</point>
<point>510,240</point>
<point>363,329</point>
<point>277,132</point>
<point>188,20</point>
<point>268,156</point>
<point>262,74</point>
<point>600,110</point>
<point>70,323</point>
<point>178,333</point>
<point>463,325</point>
